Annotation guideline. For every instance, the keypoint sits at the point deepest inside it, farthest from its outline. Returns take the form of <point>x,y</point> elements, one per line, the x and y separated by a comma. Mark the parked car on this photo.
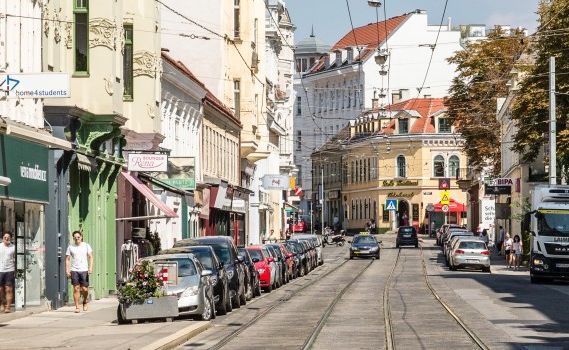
<point>265,265</point>
<point>454,233</point>
<point>193,287</point>
<point>227,252</point>
<point>300,258</point>
<point>406,235</point>
<point>207,257</point>
<point>252,276</point>
<point>278,265</point>
<point>446,230</point>
<point>283,260</point>
<point>291,261</point>
<point>470,253</point>
<point>364,245</point>
<point>316,240</point>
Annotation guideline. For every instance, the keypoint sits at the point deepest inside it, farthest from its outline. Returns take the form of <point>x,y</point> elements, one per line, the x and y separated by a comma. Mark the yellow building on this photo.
<point>404,153</point>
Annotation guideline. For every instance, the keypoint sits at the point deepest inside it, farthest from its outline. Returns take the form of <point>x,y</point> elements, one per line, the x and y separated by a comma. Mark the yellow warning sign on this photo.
<point>445,197</point>
<point>292,183</point>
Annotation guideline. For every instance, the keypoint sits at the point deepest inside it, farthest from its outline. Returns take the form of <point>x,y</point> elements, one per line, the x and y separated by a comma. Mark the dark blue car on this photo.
<point>364,246</point>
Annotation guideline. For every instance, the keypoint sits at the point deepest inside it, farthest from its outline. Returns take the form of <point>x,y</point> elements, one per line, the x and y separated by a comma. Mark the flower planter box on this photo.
<point>162,307</point>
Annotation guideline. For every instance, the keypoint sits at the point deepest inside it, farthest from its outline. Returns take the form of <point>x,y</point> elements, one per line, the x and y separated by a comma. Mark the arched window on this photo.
<point>453,166</point>
<point>401,171</point>
<point>439,166</point>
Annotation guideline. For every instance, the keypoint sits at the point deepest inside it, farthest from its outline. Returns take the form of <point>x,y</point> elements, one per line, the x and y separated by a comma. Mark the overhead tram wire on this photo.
<point>388,53</point>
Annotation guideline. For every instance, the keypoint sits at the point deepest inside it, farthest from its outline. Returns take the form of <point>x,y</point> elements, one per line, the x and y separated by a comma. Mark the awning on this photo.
<point>290,207</point>
<point>453,207</point>
<point>164,185</point>
<point>147,192</point>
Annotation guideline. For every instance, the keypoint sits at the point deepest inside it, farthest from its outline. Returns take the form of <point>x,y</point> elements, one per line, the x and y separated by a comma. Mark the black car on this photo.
<point>226,252</point>
<point>407,235</point>
<point>252,276</point>
<point>364,245</point>
<point>301,258</point>
<point>207,257</point>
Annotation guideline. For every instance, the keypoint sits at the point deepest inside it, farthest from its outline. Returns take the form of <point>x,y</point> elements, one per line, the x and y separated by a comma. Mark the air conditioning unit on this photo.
<point>255,61</point>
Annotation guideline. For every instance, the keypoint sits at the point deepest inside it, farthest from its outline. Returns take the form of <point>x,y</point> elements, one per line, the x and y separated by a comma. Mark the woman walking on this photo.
<point>517,247</point>
<point>508,250</point>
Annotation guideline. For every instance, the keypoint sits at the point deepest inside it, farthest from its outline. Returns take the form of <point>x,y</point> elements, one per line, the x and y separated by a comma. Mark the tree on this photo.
<point>530,109</point>
<point>483,68</point>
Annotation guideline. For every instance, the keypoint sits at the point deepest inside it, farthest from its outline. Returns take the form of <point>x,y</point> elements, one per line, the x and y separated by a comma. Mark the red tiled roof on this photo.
<point>367,35</point>
<point>426,107</point>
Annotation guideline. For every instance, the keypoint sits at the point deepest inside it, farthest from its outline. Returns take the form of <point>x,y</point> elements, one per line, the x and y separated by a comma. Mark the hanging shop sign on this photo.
<point>180,173</point>
<point>497,190</point>
<point>25,164</point>
<point>276,182</point>
<point>149,162</point>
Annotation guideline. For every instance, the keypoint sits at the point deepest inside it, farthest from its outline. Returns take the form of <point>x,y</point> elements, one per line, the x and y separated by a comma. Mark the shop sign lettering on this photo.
<point>34,173</point>
<point>391,183</point>
<point>400,194</point>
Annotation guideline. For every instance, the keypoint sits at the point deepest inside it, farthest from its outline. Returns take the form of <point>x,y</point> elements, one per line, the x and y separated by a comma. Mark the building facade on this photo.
<point>401,156</point>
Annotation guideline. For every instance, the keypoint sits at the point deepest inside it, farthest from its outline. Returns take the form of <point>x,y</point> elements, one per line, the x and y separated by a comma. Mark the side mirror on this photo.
<point>206,273</point>
<point>271,260</point>
<point>240,259</point>
<point>255,260</point>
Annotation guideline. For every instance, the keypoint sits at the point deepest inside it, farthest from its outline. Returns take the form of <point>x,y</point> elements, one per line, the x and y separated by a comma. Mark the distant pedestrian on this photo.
<point>508,250</point>
<point>517,249</point>
<point>484,236</point>
<point>79,265</point>
<point>500,239</point>
<point>7,271</point>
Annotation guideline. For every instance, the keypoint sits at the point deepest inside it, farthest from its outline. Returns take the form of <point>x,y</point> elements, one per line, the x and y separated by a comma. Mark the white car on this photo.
<point>317,243</point>
<point>469,253</point>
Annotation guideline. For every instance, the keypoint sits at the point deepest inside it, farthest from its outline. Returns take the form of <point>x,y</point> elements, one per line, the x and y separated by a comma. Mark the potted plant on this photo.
<point>143,296</point>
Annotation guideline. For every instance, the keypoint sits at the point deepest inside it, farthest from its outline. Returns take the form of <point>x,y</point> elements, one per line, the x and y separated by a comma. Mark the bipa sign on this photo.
<point>276,182</point>
<point>147,162</point>
<point>503,182</point>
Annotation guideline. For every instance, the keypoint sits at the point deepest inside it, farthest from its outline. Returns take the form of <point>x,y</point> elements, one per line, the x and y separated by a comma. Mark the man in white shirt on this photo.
<point>7,271</point>
<point>79,265</point>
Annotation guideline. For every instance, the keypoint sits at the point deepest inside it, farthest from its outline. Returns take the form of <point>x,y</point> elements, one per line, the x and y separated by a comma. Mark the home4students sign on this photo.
<point>35,85</point>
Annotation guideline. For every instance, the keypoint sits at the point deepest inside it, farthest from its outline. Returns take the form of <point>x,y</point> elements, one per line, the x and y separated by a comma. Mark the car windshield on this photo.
<point>223,254</point>
<point>256,254</point>
<point>204,257</point>
<point>553,222</point>
<point>472,245</point>
<point>186,267</point>
<point>364,240</point>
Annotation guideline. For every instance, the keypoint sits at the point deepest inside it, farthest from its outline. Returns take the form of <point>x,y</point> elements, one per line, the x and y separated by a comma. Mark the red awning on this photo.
<point>147,192</point>
<point>453,207</point>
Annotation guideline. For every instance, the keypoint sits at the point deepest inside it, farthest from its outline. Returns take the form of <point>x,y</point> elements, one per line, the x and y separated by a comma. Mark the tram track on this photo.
<point>390,343</point>
<point>263,313</point>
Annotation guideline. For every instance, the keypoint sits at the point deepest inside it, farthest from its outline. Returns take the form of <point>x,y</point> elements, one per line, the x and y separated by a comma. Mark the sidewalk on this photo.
<point>94,329</point>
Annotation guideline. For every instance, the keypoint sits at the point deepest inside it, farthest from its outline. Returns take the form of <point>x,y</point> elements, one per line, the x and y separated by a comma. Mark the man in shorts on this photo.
<point>7,271</point>
<point>79,265</point>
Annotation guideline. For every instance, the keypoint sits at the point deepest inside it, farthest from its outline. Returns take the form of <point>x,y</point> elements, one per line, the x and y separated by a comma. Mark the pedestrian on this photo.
<point>79,265</point>
<point>500,240</point>
<point>7,272</point>
<point>508,250</point>
<point>287,233</point>
<point>484,236</point>
<point>517,248</point>
<point>272,237</point>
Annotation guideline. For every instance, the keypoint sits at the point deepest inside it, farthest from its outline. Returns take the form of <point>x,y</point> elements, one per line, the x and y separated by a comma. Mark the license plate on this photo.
<point>364,251</point>
<point>564,266</point>
<point>406,236</point>
<point>472,260</point>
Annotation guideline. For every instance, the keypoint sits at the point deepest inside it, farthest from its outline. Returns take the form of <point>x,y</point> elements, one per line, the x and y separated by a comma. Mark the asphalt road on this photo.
<point>503,309</point>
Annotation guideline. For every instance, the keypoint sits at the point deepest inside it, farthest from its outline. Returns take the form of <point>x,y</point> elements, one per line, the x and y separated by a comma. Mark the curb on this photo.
<point>178,338</point>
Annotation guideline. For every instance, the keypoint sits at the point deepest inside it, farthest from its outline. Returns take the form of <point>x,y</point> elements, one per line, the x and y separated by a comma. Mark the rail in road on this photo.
<point>390,329</point>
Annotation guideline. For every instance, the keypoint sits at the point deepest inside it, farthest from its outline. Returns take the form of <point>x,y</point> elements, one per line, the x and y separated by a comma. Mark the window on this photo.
<point>81,14</point>
<point>298,65</point>
<point>401,167</point>
<point>444,125</point>
<point>403,126</point>
<point>312,61</point>
<point>298,105</point>
<point>128,87</point>
<point>237,96</point>
<point>439,166</point>
<point>454,166</point>
<point>236,24</point>
<point>385,216</point>
<point>352,212</point>
<point>299,176</point>
<point>415,212</point>
<point>299,140</point>
<point>255,33</point>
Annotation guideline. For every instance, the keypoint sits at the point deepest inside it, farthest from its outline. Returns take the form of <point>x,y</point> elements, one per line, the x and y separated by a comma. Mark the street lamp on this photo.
<point>374,3</point>
<point>381,57</point>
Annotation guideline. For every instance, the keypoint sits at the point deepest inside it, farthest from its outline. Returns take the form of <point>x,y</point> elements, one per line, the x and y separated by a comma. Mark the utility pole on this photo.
<point>322,198</point>
<point>552,125</point>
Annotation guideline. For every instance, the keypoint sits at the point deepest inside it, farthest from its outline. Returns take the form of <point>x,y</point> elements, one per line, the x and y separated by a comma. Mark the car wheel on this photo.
<point>235,301</point>
<point>341,244</point>
<point>206,313</point>
<point>243,297</point>
<point>351,257</point>
<point>377,256</point>
<point>222,309</point>
<point>486,269</point>
<point>269,288</point>
<point>228,304</point>
<point>258,290</point>
<point>249,294</point>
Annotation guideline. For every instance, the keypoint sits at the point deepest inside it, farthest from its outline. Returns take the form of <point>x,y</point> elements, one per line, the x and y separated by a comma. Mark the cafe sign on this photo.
<point>149,162</point>
<point>26,165</point>
<point>400,194</point>
<point>180,173</point>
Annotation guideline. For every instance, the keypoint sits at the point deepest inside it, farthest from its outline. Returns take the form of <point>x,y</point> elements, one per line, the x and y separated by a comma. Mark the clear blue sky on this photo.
<point>331,21</point>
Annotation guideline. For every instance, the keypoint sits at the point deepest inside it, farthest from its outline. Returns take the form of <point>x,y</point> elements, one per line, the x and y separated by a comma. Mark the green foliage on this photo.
<point>142,284</point>
<point>483,68</point>
<point>531,106</point>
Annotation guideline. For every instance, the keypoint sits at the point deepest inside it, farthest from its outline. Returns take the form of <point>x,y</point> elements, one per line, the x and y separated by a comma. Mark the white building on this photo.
<point>349,79</point>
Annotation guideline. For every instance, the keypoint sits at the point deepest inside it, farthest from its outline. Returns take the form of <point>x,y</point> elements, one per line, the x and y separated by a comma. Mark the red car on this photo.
<point>263,262</point>
<point>289,257</point>
<point>300,226</point>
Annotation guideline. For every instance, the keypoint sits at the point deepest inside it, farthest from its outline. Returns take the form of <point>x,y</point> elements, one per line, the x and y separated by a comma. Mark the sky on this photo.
<point>331,21</point>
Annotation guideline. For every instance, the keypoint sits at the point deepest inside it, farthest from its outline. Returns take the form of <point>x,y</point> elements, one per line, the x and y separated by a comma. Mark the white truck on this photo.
<point>549,254</point>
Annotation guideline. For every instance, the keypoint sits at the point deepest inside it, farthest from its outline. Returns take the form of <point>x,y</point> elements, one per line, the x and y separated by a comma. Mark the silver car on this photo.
<point>191,284</point>
<point>317,240</point>
<point>469,253</point>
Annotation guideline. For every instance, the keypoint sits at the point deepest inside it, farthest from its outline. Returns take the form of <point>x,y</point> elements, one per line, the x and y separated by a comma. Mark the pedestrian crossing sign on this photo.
<point>391,204</point>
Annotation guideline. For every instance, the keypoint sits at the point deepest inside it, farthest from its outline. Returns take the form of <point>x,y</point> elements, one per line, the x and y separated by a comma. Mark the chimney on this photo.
<point>449,24</point>
<point>327,59</point>
<point>350,55</point>
<point>338,58</point>
<point>374,104</point>
<point>396,96</point>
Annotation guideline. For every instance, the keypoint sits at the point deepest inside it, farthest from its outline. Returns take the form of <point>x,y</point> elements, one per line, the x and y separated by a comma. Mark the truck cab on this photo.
<point>550,233</point>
